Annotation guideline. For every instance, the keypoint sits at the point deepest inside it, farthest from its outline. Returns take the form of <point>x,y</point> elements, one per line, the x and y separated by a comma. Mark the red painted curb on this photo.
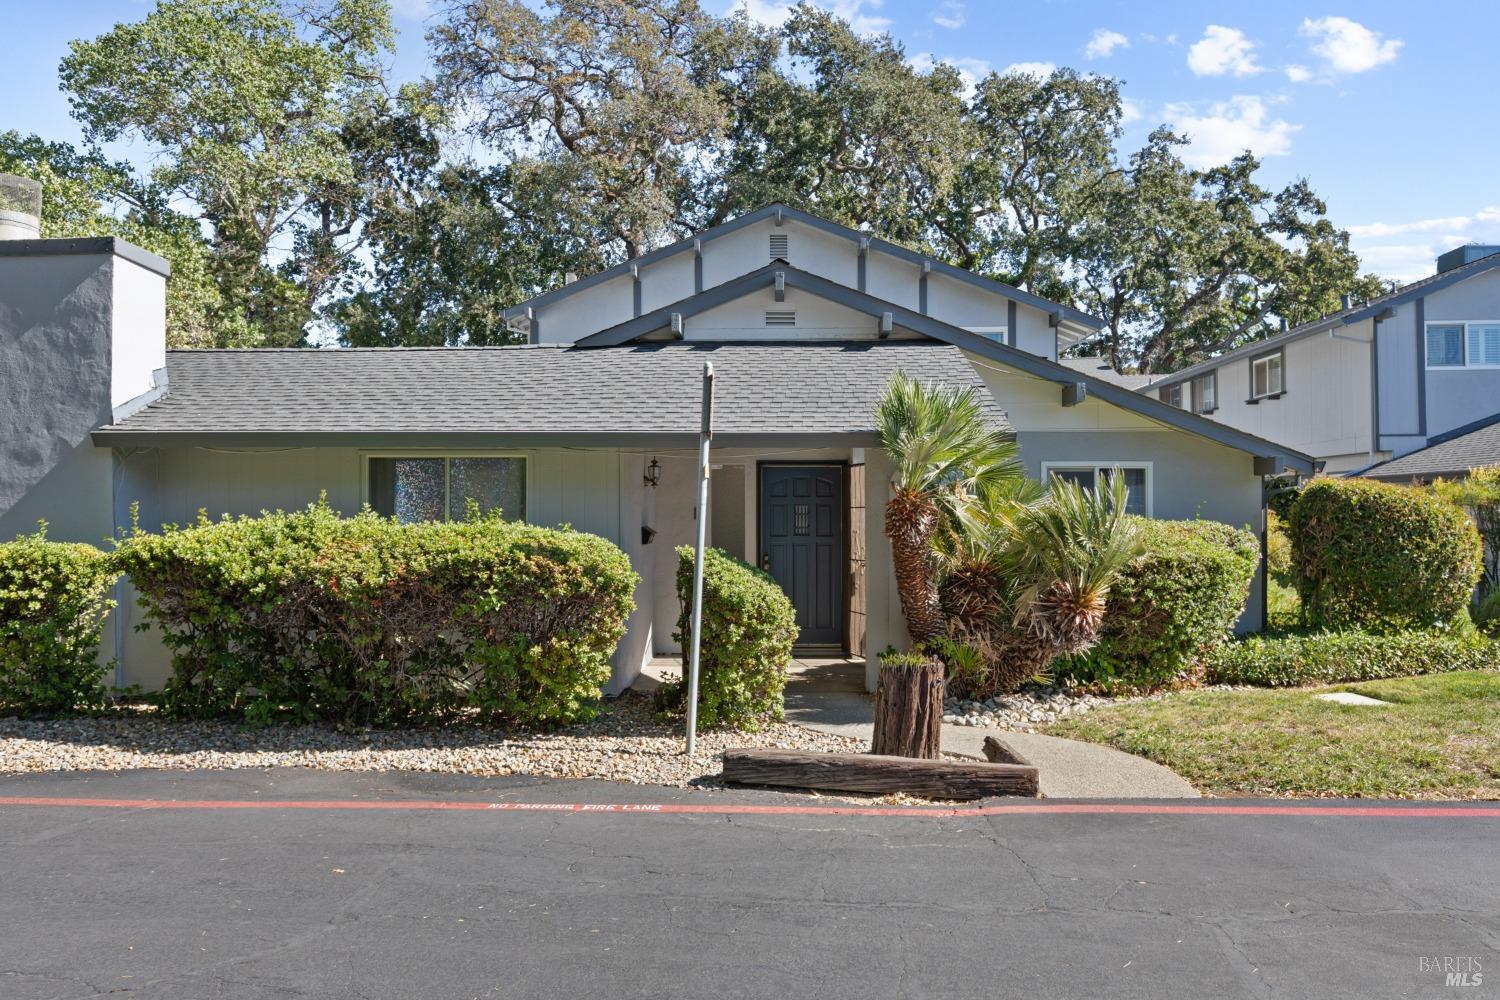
<point>1485,811</point>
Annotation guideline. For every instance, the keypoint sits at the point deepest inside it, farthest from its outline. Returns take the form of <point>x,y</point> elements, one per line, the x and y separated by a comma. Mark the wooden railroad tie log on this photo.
<point>909,710</point>
<point>862,772</point>
<point>997,751</point>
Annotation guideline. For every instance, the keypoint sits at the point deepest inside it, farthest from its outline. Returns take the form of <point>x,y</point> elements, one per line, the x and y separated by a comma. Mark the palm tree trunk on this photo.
<point>910,521</point>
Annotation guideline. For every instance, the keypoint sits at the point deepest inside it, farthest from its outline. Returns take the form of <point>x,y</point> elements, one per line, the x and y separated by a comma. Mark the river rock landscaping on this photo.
<point>1023,711</point>
<point>625,743</point>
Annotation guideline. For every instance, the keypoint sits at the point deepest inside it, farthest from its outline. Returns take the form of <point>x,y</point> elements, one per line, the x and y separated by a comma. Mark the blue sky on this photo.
<point>1385,107</point>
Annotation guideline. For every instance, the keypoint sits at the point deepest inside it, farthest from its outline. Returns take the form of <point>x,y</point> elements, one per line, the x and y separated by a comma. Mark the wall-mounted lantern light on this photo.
<point>653,473</point>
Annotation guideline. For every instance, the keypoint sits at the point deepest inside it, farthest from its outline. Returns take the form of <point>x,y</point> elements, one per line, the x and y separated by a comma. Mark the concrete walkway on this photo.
<point>829,695</point>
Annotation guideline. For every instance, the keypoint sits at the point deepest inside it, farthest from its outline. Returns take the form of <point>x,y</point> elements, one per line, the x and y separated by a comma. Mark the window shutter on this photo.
<point>1489,344</point>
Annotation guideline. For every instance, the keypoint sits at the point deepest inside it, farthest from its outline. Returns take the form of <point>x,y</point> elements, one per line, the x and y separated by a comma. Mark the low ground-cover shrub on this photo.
<point>1336,657</point>
<point>307,615</point>
<point>53,597</point>
<point>749,626</point>
<point>1379,557</point>
<point>1175,603</point>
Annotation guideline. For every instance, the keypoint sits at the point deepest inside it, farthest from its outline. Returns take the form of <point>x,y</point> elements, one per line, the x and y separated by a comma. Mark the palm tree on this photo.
<point>1029,579</point>
<point>941,452</point>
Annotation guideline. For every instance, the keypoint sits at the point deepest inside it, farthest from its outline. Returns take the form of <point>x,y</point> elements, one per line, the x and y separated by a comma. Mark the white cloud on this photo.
<point>1130,111</point>
<point>773,14</point>
<point>1222,50</point>
<point>1228,128</point>
<point>1409,250</point>
<point>971,71</point>
<point>1103,43</point>
<point>1298,74</point>
<point>950,15</point>
<point>1040,69</point>
<point>416,10</point>
<point>1347,46</point>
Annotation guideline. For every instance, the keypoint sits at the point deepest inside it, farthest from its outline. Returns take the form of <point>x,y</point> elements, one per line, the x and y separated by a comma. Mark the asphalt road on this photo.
<point>406,901</point>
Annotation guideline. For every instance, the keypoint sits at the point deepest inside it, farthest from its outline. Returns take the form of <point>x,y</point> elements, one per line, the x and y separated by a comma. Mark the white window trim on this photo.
<point>1267,358</point>
<point>990,331</point>
<point>1463,343</point>
<point>364,469</point>
<point>1099,466</point>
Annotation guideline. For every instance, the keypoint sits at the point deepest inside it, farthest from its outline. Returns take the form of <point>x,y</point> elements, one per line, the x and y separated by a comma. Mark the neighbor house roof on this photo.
<point>1450,454</point>
<point>1075,384</point>
<point>642,395</point>
<point>1100,369</point>
<point>1344,317</point>
<point>1068,314</point>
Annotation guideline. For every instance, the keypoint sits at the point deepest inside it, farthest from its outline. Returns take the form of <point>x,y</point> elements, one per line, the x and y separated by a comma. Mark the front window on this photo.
<point>1463,345</point>
<point>995,333</point>
<point>1171,394</point>
<point>1206,393</point>
<point>1091,474</point>
<point>436,488</point>
<point>1266,376</point>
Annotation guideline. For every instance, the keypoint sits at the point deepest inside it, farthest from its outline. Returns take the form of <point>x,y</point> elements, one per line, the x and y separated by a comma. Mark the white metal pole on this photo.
<point>705,433</point>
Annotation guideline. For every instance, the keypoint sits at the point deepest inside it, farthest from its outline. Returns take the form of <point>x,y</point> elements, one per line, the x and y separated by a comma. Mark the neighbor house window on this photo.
<point>1266,377</point>
<point>1206,393</point>
<point>1463,345</point>
<point>1171,394</point>
<point>995,333</point>
<point>1091,474</point>
<point>425,488</point>
<point>1445,345</point>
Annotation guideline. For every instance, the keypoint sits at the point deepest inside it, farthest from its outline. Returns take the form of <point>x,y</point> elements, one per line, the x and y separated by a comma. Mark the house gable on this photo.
<point>848,257</point>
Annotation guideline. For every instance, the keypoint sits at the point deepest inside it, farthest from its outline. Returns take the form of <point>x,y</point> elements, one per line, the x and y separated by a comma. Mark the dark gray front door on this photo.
<point>802,545</point>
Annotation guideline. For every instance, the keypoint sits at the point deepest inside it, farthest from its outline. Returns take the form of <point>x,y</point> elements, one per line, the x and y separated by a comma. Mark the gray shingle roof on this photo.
<point>1450,454</point>
<point>643,391</point>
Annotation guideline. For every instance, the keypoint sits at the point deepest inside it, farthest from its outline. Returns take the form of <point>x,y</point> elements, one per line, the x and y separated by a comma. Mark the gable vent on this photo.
<point>778,246</point>
<point>781,317</point>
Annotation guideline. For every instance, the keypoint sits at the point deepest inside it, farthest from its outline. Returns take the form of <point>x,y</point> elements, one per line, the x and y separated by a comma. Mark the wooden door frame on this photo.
<point>842,464</point>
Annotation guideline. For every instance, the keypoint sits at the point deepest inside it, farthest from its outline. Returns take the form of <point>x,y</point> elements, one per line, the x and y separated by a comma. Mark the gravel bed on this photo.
<point>625,743</point>
<point>1024,711</point>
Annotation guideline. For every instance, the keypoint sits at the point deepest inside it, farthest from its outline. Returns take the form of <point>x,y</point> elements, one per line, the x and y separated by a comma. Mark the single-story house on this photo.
<point>594,421</point>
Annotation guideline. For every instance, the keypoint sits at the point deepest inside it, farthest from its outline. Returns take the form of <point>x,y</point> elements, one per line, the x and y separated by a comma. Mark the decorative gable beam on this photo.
<point>780,286</point>
<point>1055,319</point>
<point>635,289</point>
<point>1267,465</point>
<point>677,326</point>
<point>697,266</point>
<point>778,217</point>
<point>887,321</point>
<point>922,287</point>
<point>864,256</point>
<point>1074,393</point>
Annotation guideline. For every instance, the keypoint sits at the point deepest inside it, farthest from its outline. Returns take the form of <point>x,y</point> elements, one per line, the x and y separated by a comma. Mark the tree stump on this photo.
<point>909,709</point>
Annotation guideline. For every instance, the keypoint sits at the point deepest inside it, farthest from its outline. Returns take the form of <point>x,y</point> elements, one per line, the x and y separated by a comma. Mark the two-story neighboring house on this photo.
<point>1375,381</point>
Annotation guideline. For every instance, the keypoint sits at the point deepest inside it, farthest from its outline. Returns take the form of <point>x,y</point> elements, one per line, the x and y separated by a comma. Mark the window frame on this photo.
<point>1098,466</point>
<point>1280,352</point>
<point>1175,399</point>
<point>447,455</point>
<point>1213,376</point>
<point>1463,345</point>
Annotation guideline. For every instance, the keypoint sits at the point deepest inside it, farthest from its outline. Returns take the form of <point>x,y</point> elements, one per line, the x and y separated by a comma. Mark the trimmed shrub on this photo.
<point>52,602</point>
<point>1479,494</point>
<point>749,626</point>
<point>1171,607</point>
<point>367,621</point>
<point>1378,557</point>
<point>1336,657</point>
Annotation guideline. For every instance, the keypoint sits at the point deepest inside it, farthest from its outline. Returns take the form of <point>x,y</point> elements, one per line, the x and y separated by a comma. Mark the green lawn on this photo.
<point>1438,739</point>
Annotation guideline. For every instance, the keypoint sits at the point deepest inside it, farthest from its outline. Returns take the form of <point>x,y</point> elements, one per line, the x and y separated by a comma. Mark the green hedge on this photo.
<point>1379,557</point>
<point>1171,607</point>
<point>307,615</point>
<point>749,626</point>
<point>53,597</point>
<point>1336,657</point>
